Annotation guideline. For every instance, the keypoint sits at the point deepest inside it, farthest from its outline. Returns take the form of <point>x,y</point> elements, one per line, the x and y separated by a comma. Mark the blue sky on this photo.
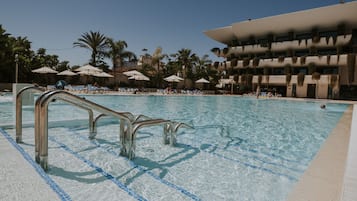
<point>170,24</point>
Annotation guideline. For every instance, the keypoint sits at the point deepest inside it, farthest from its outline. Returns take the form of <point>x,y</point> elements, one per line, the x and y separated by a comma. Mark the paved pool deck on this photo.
<point>19,179</point>
<point>332,175</point>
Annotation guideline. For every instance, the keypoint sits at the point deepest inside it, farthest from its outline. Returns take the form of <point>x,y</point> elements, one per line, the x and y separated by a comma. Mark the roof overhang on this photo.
<point>321,18</point>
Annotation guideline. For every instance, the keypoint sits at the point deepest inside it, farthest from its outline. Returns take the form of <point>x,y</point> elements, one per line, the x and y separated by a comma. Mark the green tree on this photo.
<point>12,49</point>
<point>21,47</point>
<point>41,59</point>
<point>117,52</point>
<point>187,60</point>
<point>94,41</point>
<point>62,66</point>
<point>157,57</point>
<point>6,57</point>
<point>202,65</point>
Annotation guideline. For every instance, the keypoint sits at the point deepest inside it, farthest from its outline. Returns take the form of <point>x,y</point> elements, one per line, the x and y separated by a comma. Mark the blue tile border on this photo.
<point>54,186</point>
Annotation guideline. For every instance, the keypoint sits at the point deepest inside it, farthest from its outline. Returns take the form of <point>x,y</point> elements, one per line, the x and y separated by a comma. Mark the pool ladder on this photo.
<point>129,123</point>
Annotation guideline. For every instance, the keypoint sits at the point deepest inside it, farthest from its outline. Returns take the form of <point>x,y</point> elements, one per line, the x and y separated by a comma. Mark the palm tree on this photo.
<point>117,52</point>
<point>157,56</point>
<point>94,41</point>
<point>202,64</point>
<point>187,60</point>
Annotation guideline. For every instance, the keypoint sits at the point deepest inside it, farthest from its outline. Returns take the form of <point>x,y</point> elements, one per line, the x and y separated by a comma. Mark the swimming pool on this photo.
<point>241,148</point>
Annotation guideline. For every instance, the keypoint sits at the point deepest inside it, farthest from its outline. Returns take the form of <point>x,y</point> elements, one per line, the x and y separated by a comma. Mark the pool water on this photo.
<point>240,148</point>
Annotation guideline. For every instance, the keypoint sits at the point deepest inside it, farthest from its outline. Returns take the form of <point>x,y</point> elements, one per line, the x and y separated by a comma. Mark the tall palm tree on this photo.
<point>187,60</point>
<point>117,52</point>
<point>202,64</point>
<point>94,41</point>
<point>157,56</point>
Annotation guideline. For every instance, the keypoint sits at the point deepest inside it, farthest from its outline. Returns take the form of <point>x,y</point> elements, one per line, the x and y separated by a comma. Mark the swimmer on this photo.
<point>323,106</point>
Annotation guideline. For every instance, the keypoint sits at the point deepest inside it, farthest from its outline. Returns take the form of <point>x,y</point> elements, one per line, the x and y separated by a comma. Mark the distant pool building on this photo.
<point>310,53</point>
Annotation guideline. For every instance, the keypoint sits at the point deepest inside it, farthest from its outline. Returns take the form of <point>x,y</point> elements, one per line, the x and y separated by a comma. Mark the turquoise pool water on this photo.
<point>241,148</point>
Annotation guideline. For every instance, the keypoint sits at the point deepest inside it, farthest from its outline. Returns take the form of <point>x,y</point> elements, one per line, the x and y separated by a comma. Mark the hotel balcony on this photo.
<point>321,86</point>
<point>323,42</point>
<point>333,60</point>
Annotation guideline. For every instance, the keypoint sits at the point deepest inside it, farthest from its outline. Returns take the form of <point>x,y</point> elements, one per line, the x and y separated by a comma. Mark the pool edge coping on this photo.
<point>322,182</point>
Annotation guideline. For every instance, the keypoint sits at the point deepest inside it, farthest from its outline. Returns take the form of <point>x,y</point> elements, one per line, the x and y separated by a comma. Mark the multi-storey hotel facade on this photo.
<point>310,53</point>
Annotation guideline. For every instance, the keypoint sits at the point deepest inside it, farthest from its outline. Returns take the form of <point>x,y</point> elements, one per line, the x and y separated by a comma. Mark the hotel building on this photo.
<point>310,53</point>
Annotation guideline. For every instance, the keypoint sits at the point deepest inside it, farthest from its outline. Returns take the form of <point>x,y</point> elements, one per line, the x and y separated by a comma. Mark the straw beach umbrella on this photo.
<point>88,68</point>
<point>44,70</point>
<point>102,74</point>
<point>67,73</point>
<point>173,78</point>
<point>132,73</point>
<point>139,78</point>
<point>202,82</point>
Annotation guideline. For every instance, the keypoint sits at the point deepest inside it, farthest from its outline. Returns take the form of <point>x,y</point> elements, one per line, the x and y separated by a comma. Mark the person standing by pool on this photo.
<point>258,92</point>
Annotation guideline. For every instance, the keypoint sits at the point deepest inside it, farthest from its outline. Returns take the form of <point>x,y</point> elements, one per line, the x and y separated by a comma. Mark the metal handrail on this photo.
<point>173,132</point>
<point>38,116</point>
<point>41,120</point>
<point>129,124</point>
<point>18,121</point>
<point>140,124</point>
<point>133,119</point>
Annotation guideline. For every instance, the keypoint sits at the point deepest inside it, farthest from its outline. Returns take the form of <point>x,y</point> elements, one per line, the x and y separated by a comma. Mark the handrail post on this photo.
<point>18,117</point>
<point>44,136</point>
<point>132,130</point>
<point>167,132</point>
<point>125,127</point>
<point>173,131</point>
<point>91,123</point>
<point>37,129</point>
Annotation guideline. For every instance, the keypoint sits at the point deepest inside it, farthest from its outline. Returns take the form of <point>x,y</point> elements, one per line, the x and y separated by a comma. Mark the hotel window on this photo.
<point>303,36</point>
<point>327,51</point>
<point>282,38</point>
<point>328,34</point>
<point>278,71</point>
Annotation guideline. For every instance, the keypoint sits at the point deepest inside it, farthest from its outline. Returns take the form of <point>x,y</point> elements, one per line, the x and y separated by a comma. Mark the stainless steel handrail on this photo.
<point>41,121</point>
<point>18,121</point>
<point>133,130</point>
<point>133,119</point>
<point>173,132</point>
<point>129,124</point>
<point>38,117</point>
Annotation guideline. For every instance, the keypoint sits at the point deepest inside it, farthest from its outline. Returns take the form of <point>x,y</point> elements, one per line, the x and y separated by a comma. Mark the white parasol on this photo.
<point>44,70</point>
<point>139,77</point>
<point>132,73</point>
<point>67,73</point>
<point>173,78</point>
<point>88,68</point>
<point>102,74</point>
<point>202,80</point>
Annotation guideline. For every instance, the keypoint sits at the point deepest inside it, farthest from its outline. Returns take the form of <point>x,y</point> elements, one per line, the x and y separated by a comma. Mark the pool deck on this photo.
<point>331,176</point>
<point>19,180</point>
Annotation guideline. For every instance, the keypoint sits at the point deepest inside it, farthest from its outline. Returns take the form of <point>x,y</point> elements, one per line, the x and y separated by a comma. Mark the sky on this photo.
<point>169,24</point>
